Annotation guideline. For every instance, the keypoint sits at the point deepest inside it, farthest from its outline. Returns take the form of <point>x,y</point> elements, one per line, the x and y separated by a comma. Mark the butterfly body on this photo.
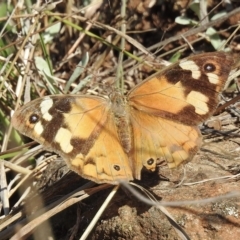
<point>107,140</point>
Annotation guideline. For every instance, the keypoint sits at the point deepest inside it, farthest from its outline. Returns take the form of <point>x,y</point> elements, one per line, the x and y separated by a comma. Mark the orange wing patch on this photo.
<point>106,161</point>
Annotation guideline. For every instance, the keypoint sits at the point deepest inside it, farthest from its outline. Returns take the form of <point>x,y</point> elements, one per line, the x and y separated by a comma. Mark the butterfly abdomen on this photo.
<point>121,116</point>
<point>124,132</point>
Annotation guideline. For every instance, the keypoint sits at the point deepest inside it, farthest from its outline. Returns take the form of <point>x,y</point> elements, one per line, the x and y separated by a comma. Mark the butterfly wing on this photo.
<point>166,108</point>
<point>187,91</point>
<point>79,128</point>
<point>156,137</point>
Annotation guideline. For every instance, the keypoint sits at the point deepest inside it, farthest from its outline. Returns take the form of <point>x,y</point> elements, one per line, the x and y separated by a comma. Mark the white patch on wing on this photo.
<point>213,78</point>
<point>199,101</point>
<point>63,137</point>
<point>45,105</point>
<point>192,66</point>
<point>38,128</point>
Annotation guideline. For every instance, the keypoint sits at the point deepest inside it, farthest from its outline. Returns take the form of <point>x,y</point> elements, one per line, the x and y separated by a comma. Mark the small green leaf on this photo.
<point>195,7</point>
<point>50,32</point>
<point>3,9</point>
<point>218,15</point>
<point>185,21</point>
<point>44,70</point>
<point>77,72</point>
<point>214,38</point>
<point>42,66</point>
<point>175,57</point>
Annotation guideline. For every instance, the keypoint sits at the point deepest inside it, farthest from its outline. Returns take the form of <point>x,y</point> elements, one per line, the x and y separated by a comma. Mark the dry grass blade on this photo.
<point>180,203</point>
<point>99,213</point>
<point>4,193</point>
<point>16,168</point>
<point>44,214</point>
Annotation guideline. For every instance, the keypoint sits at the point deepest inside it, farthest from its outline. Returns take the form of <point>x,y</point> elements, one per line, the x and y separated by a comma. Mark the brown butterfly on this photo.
<point>107,140</point>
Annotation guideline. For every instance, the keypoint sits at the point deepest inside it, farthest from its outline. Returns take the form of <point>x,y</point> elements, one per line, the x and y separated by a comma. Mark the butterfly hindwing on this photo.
<point>156,137</point>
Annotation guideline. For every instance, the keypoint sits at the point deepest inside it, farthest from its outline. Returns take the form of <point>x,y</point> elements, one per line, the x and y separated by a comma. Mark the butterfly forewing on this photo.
<point>187,91</point>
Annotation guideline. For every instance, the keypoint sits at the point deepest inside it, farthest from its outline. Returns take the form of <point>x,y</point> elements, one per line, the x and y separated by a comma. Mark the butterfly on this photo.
<point>107,140</point>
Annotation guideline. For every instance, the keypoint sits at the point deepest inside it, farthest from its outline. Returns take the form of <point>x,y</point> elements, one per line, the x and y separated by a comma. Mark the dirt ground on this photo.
<point>211,174</point>
<point>218,219</point>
